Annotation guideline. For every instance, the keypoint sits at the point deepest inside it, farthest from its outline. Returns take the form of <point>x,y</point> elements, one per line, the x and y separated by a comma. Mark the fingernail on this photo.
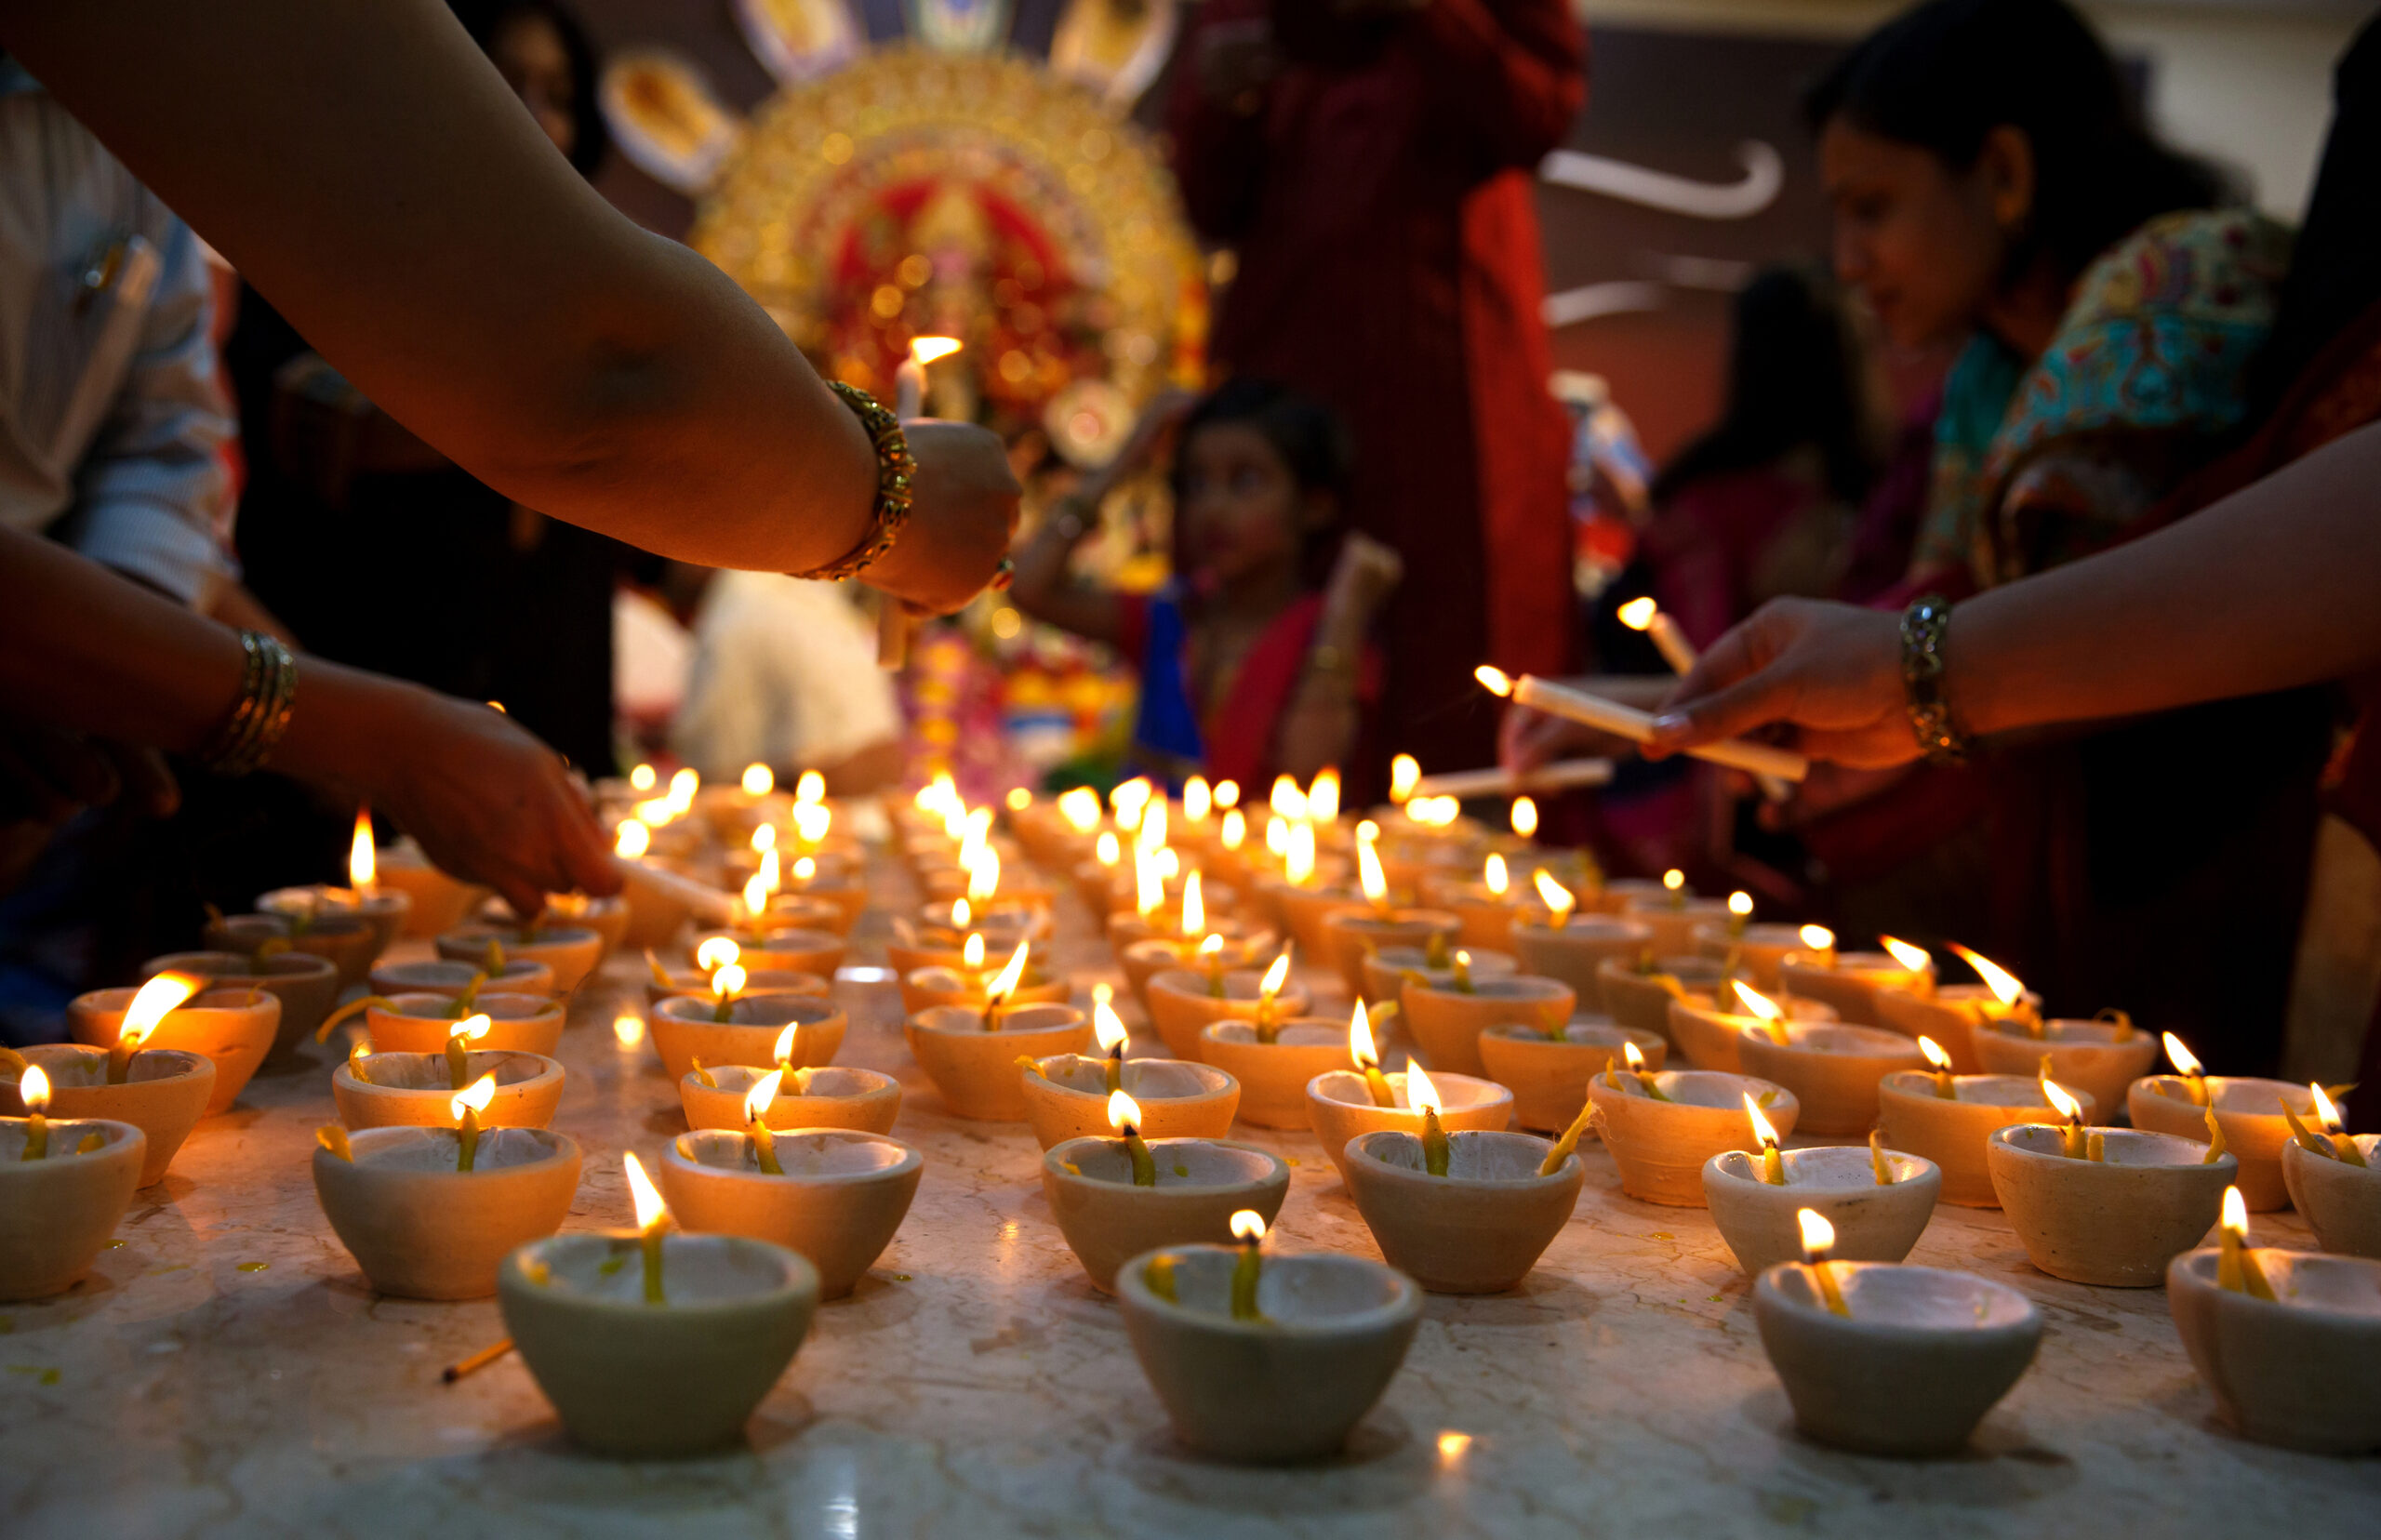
<point>1671,724</point>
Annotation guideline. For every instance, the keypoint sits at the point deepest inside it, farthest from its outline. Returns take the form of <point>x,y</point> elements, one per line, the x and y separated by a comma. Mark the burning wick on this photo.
<point>1197,800</point>
<point>33,1089</point>
<point>357,1054</point>
<point>1915,959</point>
<point>1636,1061</point>
<point>459,1039</point>
<point>1674,883</point>
<point>1524,817</point>
<point>1559,900</point>
<point>1493,875</point>
<point>1370,877</point>
<point>1194,907</point>
<point>1945,1086</point>
<point>1821,940</point>
<point>1422,1094</point>
<point>466,1105</point>
<point>652,1217</point>
<point>636,837</point>
<point>2235,1267</point>
<point>2005,989</point>
<point>2072,1140</point>
<point>726,983</point>
<point>642,779</point>
<point>1773,1164</point>
<point>360,874</point>
<point>1125,1117</point>
<point>757,1102</point>
<point>1818,1239</point>
<point>1764,1010</point>
<point>1366,1056</point>
<point>1248,1229</point>
<point>1739,914</point>
<point>716,953</point>
<point>1109,1029</point>
<point>1269,988</point>
<point>160,995</point>
<point>1211,960</point>
<point>2186,1064</point>
<point>996,998</point>
<point>1404,773</point>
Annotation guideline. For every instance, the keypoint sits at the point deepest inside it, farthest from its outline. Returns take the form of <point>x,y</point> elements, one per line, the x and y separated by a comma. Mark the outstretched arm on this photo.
<point>370,173</point>
<point>2266,589</point>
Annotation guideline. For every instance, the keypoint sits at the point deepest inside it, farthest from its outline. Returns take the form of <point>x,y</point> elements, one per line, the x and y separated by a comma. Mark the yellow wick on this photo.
<point>1434,1143</point>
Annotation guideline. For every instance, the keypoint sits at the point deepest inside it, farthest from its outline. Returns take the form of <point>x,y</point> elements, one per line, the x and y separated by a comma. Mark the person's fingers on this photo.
<point>1756,702</point>
<point>1744,650</point>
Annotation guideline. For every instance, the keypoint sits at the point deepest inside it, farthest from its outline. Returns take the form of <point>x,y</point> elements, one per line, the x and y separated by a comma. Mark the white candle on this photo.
<point>1627,722</point>
<point>1560,775</point>
<point>1645,616</point>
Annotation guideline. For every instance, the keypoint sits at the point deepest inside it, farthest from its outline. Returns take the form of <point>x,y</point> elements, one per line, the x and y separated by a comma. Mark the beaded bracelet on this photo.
<point>1923,625</point>
<point>895,468</point>
<point>261,715</point>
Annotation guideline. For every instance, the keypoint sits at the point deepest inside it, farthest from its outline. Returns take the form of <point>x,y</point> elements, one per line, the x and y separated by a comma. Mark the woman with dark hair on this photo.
<point>1992,180</point>
<point>1251,658</point>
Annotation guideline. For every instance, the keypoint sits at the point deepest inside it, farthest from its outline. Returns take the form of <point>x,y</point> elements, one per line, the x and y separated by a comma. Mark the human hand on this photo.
<point>1831,671</point>
<point>1364,575</point>
<point>963,511</point>
<point>1528,739</point>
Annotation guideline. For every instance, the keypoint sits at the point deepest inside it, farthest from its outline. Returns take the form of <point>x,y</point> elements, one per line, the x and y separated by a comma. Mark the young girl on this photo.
<point>1252,658</point>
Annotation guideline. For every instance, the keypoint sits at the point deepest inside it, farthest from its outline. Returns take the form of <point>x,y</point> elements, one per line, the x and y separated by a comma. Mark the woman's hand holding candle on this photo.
<point>1945,1086</point>
<point>1366,1056</point>
<point>756,1111</point>
<point>2236,1268</point>
<point>1818,1239</point>
<point>459,1038</point>
<point>164,993</point>
<point>1248,1228</point>
<point>467,1105</point>
<point>1125,1117</point>
<point>34,1091</point>
<point>1772,1163</point>
<point>652,1218</point>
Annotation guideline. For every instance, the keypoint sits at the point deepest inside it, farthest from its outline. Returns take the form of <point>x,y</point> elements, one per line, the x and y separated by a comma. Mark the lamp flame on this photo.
<point>971,956</point>
<point>471,1028</point>
<point>1760,1126</point>
<point>764,836</point>
<point>1404,773</point>
<point>360,854</point>
<point>1559,900</point>
<point>1124,1113</point>
<point>926,350</point>
<point>642,779</point>
<point>1323,797</point>
<point>1286,800</point>
<point>1634,1057</point>
<point>2324,1111</point>
<point>1818,1236</point>
<point>1819,939</point>
<point>962,914</point>
<point>1197,800</point>
<point>1228,794</point>
<point>1010,976</point>
<point>1369,875</point>
<point>1934,1054</point>
<point>1419,1092</point>
<point>1148,888</point>
<point>634,838</point>
<point>809,788</point>
<point>1525,817</point>
<point>2235,1214</point>
<point>2066,1105</point>
<point>157,996</point>
<point>804,869</point>
<point>1297,860</point>
<point>684,784</point>
<point>767,874</point>
<point>651,1211</point>
<point>1999,980</point>
<point>473,1098</point>
<point>984,878</point>
<point>716,953</point>
<point>764,1094</point>
<point>1234,832</point>
<point>628,1030</point>
<point>1755,1002</point>
<point>1248,1226</point>
<point>1279,975</point>
<point>757,894</point>
<point>1495,681</point>
<point>1359,1037</point>
<point>1637,614</point>
<point>2186,1063</point>
<point>1493,876</point>
<point>1108,850</point>
<point>1151,834</point>
<point>728,982</point>
<point>1194,907</point>
<point>1740,903</point>
<point>759,780</point>
<point>811,820</point>
<point>1913,958</point>
<point>1107,1026</point>
<point>33,1089</point>
<point>1674,880</point>
<point>781,1051</point>
<point>1080,807</point>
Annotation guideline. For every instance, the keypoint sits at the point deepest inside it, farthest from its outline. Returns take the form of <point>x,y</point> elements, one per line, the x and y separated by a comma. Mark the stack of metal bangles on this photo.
<point>268,691</point>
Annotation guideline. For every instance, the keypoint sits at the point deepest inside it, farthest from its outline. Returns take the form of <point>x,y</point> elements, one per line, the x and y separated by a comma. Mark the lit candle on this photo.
<point>2005,989</point>
<point>910,377</point>
<point>628,1030</point>
<point>2072,1139</point>
<point>759,781</point>
<point>996,998</point>
<point>1764,1011</point>
<point>756,1111</point>
<point>1080,807</point>
<point>1108,1028</point>
<point>1941,1061</point>
<point>652,1218</point>
<point>642,779</point>
<point>361,875</point>
<point>1818,1239</point>
<point>1403,772</point>
<point>2186,1064</point>
<point>1125,1117</point>
<point>1228,794</point>
<point>1739,914</point>
<point>1108,852</point>
<point>1323,797</point>
<point>726,983</point>
<point>1422,1094</point>
<point>1248,1229</point>
<point>1820,940</point>
<point>2236,1268</point>
<point>1194,907</point>
<point>810,790</point>
<point>33,1090</point>
<point>1366,1058</point>
<point>1233,832</point>
<point>1773,1164</point>
<point>1495,876</point>
<point>633,838</point>
<point>1635,1058</point>
<point>1674,884</point>
<point>1643,615</point>
<point>1267,1023</point>
<point>1370,878</point>
<point>1627,722</point>
<point>459,1038</point>
<point>1559,900</point>
<point>466,1106</point>
<point>1524,817</point>
<point>149,1007</point>
<point>1197,800</point>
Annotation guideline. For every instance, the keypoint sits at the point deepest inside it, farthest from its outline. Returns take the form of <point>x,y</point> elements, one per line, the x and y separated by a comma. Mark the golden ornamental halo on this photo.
<point>915,193</point>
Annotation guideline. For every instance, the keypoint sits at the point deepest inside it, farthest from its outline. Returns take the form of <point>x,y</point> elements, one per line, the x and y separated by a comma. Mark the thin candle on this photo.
<point>1109,1028</point>
<point>33,1090</point>
<point>1945,1086</point>
<point>1637,725</point>
<point>757,1102</point>
<point>2236,1266</point>
<point>2186,1064</point>
<point>2071,1140</point>
<point>1818,1239</point>
<point>652,1218</point>
<point>164,993</point>
<point>1772,1163</point>
<point>1248,1229</point>
<point>459,1038</point>
<point>466,1106</point>
<point>1422,1094</point>
<point>1644,614</point>
<point>1125,1117</point>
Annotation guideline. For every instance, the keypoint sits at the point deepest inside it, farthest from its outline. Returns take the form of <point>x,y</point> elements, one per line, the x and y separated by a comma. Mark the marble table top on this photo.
<point>226,1372</point>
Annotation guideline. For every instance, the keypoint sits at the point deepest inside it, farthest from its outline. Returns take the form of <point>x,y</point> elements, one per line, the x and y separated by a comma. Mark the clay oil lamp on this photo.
<point>497,973</point>
<point>1570,947</point>
<point>608,917</point>
<point>713,1095</point>
<point>1389,969</point>
<point>971,1054</point>
<point>733,1028</point>
<point>2288,1343</point>
<point>428,1211</point>
<point>718,952</point>
<point>835,1195</point>
<point>388,910</point>
<point>793,950</point>
<point>1265,1360</point>
<point>1184,1002</point>
<point>347,941</point>
<point>1637,991</point>
<point>1947,1119</point>
<point>64,1183</point>
<point>1351,933</point>
<point>1487,908</point>
<point>571,951</point>
<point>1259,1034</point>
<point>1758,951</point>
<point>1343,1103</point>
<point>2105,1206</point>
<point>1309,889</point>
<point>231,1029</point>
<point>2253,1115</point>
<point>812,880</point>
<point>2104,1056</point>
<point>1094,878</point>
<point>1663,1127</point>
<point>1851,981</point>
<point>1675,916</point>
<point>968,984</point>
<point>1467,1212</point>
<point>305,985</point>
<point>393,1090</point>
<point>1882,1358</point>
<point>436,902</point>
<point>653,1343</point>
<point>2334,1181</point>
<point>1447,1020</point>
<point>1952,1013</point>
<point>1834,1069</point>
<point>1547,1067</point>
<point>162,1092</point>
<point>1877,1199</point>
<point>1205,941</point>
<point>1712,1035</point>
<point>1067,1094</point>
<point>1117,1196</point>
<point>424,1023</point>
<point>731,811</point>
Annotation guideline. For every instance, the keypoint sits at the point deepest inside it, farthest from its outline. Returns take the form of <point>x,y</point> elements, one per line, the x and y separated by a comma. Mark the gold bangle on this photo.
<point>261,715</point>
<point>895,468</point>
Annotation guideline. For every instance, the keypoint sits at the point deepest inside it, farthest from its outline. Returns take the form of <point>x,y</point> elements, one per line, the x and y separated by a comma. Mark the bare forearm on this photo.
<point>1046,590</point>
<point>2276,586</point>
<point>576,362</point>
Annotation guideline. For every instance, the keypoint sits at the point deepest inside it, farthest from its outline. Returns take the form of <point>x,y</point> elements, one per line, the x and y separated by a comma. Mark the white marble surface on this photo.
<point>227,1372</point>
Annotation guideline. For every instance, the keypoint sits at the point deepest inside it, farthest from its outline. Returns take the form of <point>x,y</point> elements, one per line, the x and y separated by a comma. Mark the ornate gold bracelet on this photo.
<point>261,713</point>
<point>1924,627</point>
<point>895,469</point>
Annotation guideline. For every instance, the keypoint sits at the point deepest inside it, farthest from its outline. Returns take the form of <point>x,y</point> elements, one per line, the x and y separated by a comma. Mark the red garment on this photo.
<point>1389,265</point>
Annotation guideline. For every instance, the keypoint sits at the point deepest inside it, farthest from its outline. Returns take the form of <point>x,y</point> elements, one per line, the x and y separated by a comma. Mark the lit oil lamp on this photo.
<point>1663,1127</point>
<point>1571,947</point>
<point>390,1089</point>
<point>1876,1200</point>
<point>1852,982</point>
<point>385,910</point>
<point>1378,923</point>
<point>572,952</point>
<point>1118,1194</point>
<point>2334,1181</point>
<point>1952,1013</point>
<point>1832,1070</point>
<point>1447,1020</point>
<point>232,1028</point>
<point>163,1092</point>
<point>1070,1096</point>
<point>971,1054</point>
<point>1711,1031</point>
<point>1346,1103</point>
<point>2104,1206</point>
<point>714,1096</point>
<point>685,1029</point>
<point>1259,1033</point>
<point>1947,1119</point>
<point>64,1183</point>
<point>421,1022</point>
<point>2252,1113</point>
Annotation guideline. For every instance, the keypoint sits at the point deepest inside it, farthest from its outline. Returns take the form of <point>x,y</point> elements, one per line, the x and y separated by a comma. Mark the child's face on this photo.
<point>1242,509</point>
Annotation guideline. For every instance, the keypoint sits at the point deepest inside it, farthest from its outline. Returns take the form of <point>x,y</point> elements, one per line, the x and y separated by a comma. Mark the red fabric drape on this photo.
<point>1389,265</point>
